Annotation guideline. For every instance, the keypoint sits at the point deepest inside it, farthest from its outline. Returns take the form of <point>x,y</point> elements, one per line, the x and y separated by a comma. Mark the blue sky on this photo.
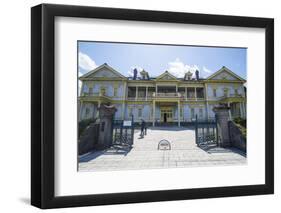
<point>156,59</point>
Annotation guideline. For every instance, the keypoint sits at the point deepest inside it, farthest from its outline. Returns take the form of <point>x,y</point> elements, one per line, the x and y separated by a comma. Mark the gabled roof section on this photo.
<point>166,76</point>
<point>103,70</point>
<point>225,74</point>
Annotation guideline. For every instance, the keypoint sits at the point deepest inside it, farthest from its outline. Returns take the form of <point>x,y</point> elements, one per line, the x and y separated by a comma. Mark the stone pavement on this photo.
<point>145,155</point>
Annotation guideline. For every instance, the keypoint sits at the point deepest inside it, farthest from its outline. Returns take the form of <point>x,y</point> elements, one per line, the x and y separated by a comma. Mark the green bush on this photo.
<point>241,124</point>
<point>83,125</point>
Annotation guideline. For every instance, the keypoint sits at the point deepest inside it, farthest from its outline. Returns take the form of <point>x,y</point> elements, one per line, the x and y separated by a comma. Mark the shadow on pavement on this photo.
<point>171,128</point>
<point>212,149</point>
<point>114,150</point>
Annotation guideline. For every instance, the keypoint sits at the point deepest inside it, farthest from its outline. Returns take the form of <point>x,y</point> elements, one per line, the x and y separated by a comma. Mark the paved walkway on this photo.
<point>144,154</point>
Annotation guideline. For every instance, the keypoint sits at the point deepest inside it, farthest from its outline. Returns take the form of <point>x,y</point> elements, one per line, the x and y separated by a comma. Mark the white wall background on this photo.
<point>15,105</point>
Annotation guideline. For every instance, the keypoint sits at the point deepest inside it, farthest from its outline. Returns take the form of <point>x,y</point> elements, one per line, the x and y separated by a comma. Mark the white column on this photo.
<point>153,114</point>
<point>185,93</point>
<point>137,93</point>
<point>207,109</point>
<point>124,98</point>
<point>179,114</point>
<point>195,93</point>
<point>146,93</point>
<point>123,110</point>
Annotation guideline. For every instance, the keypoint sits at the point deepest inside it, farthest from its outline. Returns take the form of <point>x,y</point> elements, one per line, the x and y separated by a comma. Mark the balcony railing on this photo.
<point>139,98</point>
<point>167,95</point>
<point>95,94</point>
<point>230,96</point>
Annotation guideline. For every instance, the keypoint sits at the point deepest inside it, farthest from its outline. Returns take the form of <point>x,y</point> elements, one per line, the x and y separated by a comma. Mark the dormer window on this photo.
<point>188,76</point>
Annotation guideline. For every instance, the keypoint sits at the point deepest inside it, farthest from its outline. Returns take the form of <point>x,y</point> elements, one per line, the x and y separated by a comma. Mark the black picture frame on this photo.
<point>43,105</point>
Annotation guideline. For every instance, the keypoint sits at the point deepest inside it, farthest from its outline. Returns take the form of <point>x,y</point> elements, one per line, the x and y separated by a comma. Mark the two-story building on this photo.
<point>163,99</point>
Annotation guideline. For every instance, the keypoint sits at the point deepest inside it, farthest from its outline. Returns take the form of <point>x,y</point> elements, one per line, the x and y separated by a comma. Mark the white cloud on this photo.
<point>205,69</point>
<point>85,62</point>
<point>131,71</point>
<point>178,68</point>
<point>206,72</point>
<point>79,82</point>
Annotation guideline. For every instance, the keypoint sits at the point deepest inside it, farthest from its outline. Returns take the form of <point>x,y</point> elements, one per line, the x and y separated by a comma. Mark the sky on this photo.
<point>156,59</point>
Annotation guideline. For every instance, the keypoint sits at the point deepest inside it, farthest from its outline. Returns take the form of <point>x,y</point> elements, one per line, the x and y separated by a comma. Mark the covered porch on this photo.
<point>166,112</point>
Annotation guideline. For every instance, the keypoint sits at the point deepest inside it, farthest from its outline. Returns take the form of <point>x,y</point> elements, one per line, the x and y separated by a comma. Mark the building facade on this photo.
<point>161,100</point>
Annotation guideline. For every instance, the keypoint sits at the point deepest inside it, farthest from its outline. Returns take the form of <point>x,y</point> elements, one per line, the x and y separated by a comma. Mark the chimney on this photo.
<point>197,75</point>
<point>135,74</point>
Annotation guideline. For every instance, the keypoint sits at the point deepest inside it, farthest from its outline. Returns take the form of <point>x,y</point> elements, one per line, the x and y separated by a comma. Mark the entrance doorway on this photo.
<point>165,117</point>
<point>166,114</point>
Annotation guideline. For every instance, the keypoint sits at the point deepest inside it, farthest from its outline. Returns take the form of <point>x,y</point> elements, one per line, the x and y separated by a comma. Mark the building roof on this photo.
<point>167,76</point>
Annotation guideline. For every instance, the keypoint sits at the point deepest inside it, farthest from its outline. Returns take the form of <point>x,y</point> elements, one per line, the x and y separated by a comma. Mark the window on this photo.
<point>200,92</point>
<point>139,112</point>
<point>236,92</point>
<point>192,113</point>
<point>131,92</point>
<point>190,92</point>
<point>87,112</point>
<point>103,91</point>
<point>225,92</point>
<point>200,113</point>
<point>85,88</point>
<point>215,92</point>
<point>90,90</point>
<point>130,112</point>
<point>115,91</point>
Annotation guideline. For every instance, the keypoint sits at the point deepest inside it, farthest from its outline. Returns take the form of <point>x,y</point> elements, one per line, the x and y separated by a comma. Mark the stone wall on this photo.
<point>88,139</point>
<point>236,138</point>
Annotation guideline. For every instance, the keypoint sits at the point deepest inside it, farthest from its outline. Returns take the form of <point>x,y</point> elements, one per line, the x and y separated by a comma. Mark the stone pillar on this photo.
<point>137,93</point>
<point>244,110</point>
<point>229,111</point>
<point>222,115</point>
<point>98,112</point>
<point>195,93</point>
<point>106,114</point>
<point>80,110</point>
<point>241,110</point>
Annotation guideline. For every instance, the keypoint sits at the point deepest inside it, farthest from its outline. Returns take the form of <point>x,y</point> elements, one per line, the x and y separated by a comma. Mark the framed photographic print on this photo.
<point>139,106</point>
